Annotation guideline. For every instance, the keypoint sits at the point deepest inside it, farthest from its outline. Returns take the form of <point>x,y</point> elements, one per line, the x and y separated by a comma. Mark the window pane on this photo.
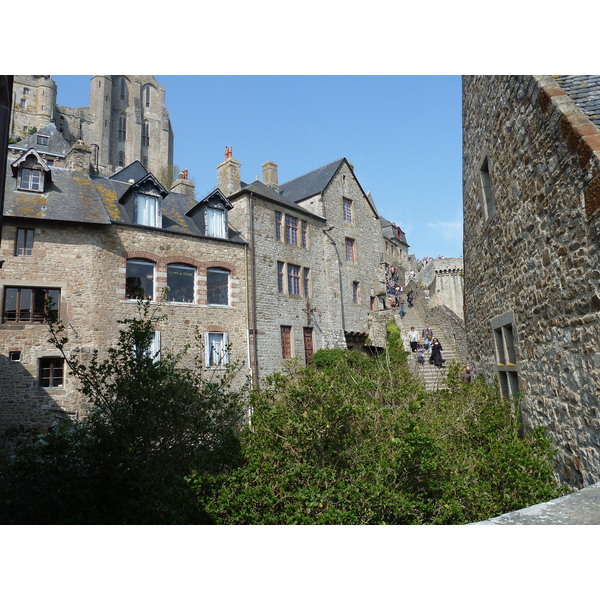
<point>24,245</point>
<point>181,283</point>
<point>25,305</point>
<point>10,304</point>
<point>139,279</point>
<point>215,222</point>
<point>146,210</point>
<point>217,284</point>
<point>216,350</point>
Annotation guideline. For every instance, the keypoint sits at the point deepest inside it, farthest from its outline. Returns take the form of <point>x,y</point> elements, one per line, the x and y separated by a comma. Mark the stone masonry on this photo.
<point>531,166</point>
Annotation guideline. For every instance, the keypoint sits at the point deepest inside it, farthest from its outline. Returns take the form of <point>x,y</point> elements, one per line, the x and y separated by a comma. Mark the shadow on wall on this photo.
<point>25,405</point>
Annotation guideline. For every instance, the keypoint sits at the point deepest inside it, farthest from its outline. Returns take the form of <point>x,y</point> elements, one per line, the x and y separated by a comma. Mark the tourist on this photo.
<point>428,332</point>
<point>421,354</point>
<point>409,297</point>
<point>436,354</point>
<point>427,343</point>
<point>466,376</point>
<point>401,304</point>
<point>413,339</point>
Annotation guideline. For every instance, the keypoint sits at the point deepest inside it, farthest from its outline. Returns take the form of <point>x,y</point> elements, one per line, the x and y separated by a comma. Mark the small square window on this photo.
<point>14,356</point>
<point>31,179</point>
<point>42,140</point>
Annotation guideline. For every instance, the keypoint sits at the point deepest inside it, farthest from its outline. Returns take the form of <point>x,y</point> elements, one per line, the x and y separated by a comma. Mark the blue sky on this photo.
<point>401,132</point>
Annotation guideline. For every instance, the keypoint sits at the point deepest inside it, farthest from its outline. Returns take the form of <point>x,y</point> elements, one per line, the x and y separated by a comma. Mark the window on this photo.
<point>286,341</point>
<point>217,286</point>
<point>147,210</point>
<point>148,348</point>
<point>123,89</point>
<point>25,91</point>
<point>291,230</point>
<point>304,235</point>
<point>373,303</point>
<point>122,128</point>
<point>306,282</point>
<point>146,134</point>
<point>347,210</point>
<point>216,349</point>
<point>181,283</point>
<point>139,280</point>
<point>355,292</point>
<point>280,277</point>
<point>22,103</point>
<point>147,96</point>
<point>294,280</point>
<point>42,140</point>
<point>24,242</point>
<point>278,226</point>
<point>30,305</point>
<point>51,372</point>
<point>14,356</point>
<point>350,250</point>
<point>506,355</point>
<point>489,207</point>
<point>31,179</point>
<point>121,159</point>
<point>215,222</point>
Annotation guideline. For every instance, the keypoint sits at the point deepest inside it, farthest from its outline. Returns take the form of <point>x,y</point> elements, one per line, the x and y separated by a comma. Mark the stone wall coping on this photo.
<point>579,508</point>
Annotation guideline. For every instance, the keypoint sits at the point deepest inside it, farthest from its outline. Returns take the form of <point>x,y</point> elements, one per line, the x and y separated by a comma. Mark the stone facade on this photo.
<point>531,166</point>
<point>444,280</point>
<point>127,119</point>
<point>84,244</point>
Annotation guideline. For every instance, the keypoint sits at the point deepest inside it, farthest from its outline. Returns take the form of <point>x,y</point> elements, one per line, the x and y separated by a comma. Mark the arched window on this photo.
<point>146,134</point>
<point>217,286</point>
<point>181,283</point>
<point>122,127</point>
<point>139,279</point>
<point>147,96</point>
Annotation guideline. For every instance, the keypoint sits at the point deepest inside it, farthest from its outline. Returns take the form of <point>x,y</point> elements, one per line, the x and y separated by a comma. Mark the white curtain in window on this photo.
<point>216,349</point>
<point>147,210</point>
<point>215,222</point>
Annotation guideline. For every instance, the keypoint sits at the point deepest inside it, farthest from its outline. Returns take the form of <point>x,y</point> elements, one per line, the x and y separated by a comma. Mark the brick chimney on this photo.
<point>228,174</point>
<point>182,185</point>
<point>79,158</point>
<point>269,171</point>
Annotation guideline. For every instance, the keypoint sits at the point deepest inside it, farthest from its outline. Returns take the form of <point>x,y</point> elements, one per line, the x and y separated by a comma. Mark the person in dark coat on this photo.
<point>436,354</point>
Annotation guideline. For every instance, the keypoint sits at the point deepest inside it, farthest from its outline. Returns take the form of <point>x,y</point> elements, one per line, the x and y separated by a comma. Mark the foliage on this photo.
<point>356,440</point>
<point>152,422</point>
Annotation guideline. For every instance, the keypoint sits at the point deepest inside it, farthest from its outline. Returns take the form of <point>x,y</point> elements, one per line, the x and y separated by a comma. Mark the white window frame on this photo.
<point>31,179</point>
<point>189,268</point>
<point>147,210</point>
<point>216,222</point>
<point>216,342</point>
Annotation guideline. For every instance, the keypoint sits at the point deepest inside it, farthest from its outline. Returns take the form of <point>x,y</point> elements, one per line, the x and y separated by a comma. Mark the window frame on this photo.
<point>149,217</point>
<point>304,234</point>
<point>291,230</point>
<point>505,348</point>
<point>141,261</point>
<point>223,361</point>
<point>35,180</point>
<point>306,281</point>
<point>287,344</point>
<point>219,231</point>
<point>293,279</point>
<point>51,363</point>
<point>184,267</point>
<point>42,316</point>
<point>280,277</point>
<point>24,247</point>
<point>211,270</point>
<point>350,250</point>
<point>278,221</point>
<point>356,292</point>
<point>122,130</point>
<point>347,211</point>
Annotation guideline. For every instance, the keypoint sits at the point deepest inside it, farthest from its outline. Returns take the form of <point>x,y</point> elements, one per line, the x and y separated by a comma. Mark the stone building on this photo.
<point>127,120</point>
<point>531,180</point>
<point>443,278</point>
<point>316,263</point>
<point>93,245</point>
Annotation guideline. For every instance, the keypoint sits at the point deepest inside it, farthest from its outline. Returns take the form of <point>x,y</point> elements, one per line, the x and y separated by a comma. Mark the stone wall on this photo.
<point>532,283</point>
<point>88,265</point>
<point>443,277</point>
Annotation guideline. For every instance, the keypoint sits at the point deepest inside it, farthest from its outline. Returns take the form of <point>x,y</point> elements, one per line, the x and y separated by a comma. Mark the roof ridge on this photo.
<point>316,169</point>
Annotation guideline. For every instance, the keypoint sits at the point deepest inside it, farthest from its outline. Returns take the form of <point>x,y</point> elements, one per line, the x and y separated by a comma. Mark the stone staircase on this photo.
<point>432,377</point>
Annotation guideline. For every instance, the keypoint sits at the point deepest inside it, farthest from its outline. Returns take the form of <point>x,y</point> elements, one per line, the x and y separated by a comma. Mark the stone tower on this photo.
<point>127,119</point>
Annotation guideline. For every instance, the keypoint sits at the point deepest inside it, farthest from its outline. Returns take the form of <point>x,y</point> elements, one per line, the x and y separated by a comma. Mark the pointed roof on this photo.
<point>310,184</point>
<point>57,145</point>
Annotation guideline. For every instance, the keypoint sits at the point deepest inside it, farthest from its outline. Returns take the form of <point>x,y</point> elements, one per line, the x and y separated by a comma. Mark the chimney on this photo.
<point>269,171</point>
<point>228,174</point>
<point>182,185</point>
<point>79,158</point>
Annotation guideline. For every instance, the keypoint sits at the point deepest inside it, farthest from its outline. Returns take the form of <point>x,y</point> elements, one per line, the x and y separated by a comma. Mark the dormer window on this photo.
<point>147,210</point>
<point>31,179</point>
<point>216,222</point>
<point>42,140</point>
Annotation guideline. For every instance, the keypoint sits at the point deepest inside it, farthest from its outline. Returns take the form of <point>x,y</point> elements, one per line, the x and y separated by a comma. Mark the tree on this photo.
<point>151,424</point>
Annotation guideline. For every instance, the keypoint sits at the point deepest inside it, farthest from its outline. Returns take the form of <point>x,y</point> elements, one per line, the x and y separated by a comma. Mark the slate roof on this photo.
<point>57,145</point>
<point>385,224</point>
<point>585,92</point>
<point>75,197</point>
<point>311,183</point>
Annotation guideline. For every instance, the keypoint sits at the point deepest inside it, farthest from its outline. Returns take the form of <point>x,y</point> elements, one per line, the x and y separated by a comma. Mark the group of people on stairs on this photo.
<point>430,344</point>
